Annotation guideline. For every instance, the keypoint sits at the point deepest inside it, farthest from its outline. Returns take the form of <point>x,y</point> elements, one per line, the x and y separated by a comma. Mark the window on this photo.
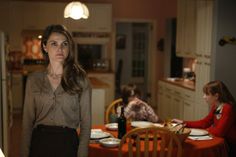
<point>139,50</point>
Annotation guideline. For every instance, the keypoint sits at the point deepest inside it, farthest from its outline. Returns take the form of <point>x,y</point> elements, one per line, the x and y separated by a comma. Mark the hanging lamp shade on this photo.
<point>76,10</point>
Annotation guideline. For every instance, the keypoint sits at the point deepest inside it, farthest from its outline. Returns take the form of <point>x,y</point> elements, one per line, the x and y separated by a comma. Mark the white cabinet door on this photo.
<point>188,110</point>
<point>180,34</point>
<point>160,97</point>
<point>175,102</point>
<point>164,100</point>
<point>186,28</point>
<point>167,106</point>
<point>177,107</point>
<point>204,50</point>
<point>203,73</point>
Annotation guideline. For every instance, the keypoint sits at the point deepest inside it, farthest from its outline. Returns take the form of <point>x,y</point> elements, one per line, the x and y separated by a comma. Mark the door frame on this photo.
<point>152,54</point>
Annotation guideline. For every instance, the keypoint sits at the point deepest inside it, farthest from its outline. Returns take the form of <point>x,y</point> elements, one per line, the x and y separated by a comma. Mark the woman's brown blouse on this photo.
<point>44,106</point>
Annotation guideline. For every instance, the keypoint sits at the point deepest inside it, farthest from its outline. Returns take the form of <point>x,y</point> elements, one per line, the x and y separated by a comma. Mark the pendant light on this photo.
<point>76,10</point>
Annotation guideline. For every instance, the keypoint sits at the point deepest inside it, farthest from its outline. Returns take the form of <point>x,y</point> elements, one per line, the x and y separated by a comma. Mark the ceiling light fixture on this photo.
<point>76,10</point>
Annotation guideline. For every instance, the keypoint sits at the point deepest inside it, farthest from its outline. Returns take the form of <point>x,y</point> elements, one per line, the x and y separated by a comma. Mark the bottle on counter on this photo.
<point>121,124</point>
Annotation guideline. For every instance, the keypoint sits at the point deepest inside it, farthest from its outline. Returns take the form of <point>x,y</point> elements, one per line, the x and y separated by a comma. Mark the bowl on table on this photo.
<point>112,126</point>
<point>110,142</point>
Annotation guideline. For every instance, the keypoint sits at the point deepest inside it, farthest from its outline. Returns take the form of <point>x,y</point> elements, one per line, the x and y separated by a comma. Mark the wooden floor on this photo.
<point>15,136</point>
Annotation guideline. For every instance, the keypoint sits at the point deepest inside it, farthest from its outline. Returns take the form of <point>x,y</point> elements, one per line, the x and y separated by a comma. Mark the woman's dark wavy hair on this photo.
<point>72,73</point>
<point>128,91</point>
<point>218,87</point>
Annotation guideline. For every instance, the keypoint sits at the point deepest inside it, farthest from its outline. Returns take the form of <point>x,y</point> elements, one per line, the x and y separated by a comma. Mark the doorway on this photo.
<point>133,56</point>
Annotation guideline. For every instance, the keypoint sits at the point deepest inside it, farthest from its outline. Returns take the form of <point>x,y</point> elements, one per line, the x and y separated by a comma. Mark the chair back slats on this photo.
<point>170,148</point>
<point>152,141</point>
<point>138,147</point>
<point>155,141</point>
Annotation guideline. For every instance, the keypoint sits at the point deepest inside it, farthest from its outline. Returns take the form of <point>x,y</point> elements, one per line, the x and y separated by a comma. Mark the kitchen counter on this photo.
<point>97,83</point>
<point>188,84</point>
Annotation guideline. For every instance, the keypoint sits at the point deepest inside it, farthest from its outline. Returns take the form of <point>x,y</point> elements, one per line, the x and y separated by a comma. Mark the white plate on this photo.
<point>198,132</point>
<point>141,124</point>
<point>99,134</point>
<point>158,125</point>
<point>112,126</point>
<point>110,142</point>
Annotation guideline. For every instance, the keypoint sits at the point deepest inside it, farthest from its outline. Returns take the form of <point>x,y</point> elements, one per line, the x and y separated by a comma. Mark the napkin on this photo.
<point>97,130</point>
<point>206,137</point>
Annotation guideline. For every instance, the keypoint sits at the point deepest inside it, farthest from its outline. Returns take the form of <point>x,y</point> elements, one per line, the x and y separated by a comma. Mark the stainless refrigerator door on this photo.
<point>1,106</point>
<point>4,106</point>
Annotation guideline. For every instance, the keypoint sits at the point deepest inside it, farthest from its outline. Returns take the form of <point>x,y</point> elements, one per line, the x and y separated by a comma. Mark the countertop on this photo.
<point>188,84</point>
<point>97,83</point>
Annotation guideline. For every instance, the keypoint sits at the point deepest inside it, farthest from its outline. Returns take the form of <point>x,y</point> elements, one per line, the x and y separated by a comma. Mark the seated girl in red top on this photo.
<point>221,119</point>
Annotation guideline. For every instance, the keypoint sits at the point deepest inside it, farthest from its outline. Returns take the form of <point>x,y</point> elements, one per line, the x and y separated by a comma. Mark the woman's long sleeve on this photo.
<point>28,119</point>
<point>85,123</point>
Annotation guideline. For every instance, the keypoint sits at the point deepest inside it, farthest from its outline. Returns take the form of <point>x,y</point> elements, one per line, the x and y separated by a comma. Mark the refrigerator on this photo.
<point>5,96</point>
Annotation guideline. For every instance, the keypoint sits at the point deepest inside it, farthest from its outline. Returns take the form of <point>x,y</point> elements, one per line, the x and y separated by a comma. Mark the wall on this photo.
<point>123,54</point>
<point>224,57</point>
<point>158,10</point>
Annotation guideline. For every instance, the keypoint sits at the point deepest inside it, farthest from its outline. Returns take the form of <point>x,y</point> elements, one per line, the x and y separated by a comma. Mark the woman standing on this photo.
<point>221,120</point>
<point>57,102</point>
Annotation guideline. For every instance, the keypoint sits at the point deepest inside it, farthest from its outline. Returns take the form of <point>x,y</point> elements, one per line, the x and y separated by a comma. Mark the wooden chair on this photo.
<point>152,141</point>
<point>111,109</point>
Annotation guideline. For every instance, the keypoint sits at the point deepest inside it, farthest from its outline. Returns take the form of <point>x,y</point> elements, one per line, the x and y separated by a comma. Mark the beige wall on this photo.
<point>158,10</point>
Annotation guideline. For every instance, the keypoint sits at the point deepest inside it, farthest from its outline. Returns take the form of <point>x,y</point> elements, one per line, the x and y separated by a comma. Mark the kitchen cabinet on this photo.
<point>188,104</point>
<point>14,24</point>
<point>203,53</point>
<point>175,102</point>
<point>186,28</point>
<point>100,19</point>
<point>39,15</point>
<point>194,39</point>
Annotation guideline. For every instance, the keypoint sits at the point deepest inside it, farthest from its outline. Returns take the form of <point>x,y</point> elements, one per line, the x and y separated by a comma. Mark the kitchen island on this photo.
<point>99,88</point>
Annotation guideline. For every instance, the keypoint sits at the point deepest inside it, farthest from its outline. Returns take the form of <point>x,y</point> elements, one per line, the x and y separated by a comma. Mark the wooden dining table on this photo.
<point>215,147</point>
